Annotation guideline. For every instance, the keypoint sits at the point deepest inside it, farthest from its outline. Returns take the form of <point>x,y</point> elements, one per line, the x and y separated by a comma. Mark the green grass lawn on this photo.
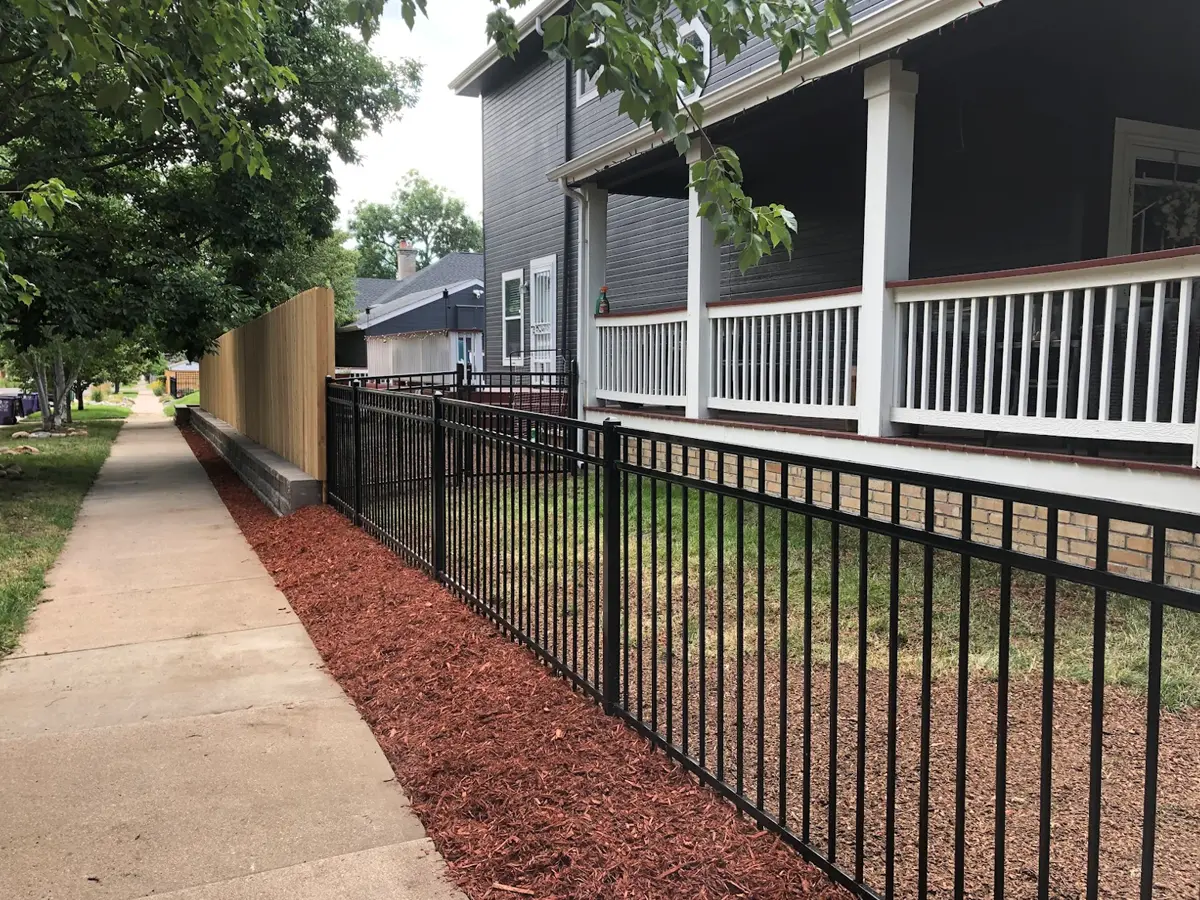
<point>192,399</point>
<point>90,413</point>
<point>37,511</point>
<point>783,564</point>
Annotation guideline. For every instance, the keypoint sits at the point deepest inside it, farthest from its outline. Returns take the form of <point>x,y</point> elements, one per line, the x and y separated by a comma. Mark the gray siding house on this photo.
<point>428,321</point>
<point>996,205</point>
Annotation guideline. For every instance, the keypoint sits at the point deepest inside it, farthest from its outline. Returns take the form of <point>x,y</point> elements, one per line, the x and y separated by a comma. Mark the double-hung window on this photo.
<point>513,335</point>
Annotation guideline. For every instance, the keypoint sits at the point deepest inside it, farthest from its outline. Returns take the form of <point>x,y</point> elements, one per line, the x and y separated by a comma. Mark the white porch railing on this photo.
<point>643,358</point>
<point>1098,350</point>
<point>794,357</point>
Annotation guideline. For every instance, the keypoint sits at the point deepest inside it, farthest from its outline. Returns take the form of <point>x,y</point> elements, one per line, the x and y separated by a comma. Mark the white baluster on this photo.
<point>1106,352</point>
<point>956,356</point>
<point>1085,353</point>
<point>814,360</point>
<point>837,357</point>
<point>1064,354</point>
<point>1131,336</point>
<point>1026,350</point>
<point>1044,354</point>
<point>911,380</point>
<point>848,396</point>
<point>792,363</point>
<point>1184,334</point>
<point>826,395</point>
<point>941,356</point>
<point>926,319</point>
<point>989,356</point>
<point>1156,330</point>
<point>1006,362</point>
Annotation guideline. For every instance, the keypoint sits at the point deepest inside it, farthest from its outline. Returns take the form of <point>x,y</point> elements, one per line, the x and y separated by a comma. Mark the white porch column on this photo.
<point>891,95</point>
<point>593,251</point>
<point>703,285</point>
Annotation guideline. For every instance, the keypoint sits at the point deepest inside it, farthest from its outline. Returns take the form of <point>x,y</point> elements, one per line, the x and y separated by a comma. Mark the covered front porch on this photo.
<point>997,247</point>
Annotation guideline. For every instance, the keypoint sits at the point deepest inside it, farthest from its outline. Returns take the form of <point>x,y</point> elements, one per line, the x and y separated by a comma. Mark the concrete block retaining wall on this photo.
<point>282,485</point>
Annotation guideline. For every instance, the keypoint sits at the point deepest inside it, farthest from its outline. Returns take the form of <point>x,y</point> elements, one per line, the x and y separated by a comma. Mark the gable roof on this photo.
<point>374,291</point>
<point>398,306</point>
<point>450,269</point>
<point>469,82</point>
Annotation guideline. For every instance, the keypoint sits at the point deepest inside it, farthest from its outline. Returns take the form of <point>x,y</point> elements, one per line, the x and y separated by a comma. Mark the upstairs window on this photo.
<point>696,34</point>
<point>585,85</point>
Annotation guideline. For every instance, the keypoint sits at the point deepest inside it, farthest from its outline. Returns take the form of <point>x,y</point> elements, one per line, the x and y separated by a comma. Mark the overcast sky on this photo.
<point>440,136</point>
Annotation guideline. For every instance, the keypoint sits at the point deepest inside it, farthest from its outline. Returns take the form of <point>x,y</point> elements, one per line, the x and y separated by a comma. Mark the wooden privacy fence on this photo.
<point>267,378</point>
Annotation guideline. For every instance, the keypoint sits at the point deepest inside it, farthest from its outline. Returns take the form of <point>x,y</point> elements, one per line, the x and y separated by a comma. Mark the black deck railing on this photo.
<point>904,675</point>
<point>548,393</point>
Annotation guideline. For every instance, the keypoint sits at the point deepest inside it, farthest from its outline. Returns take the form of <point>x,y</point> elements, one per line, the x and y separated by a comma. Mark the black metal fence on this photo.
<point>915,680</point>
<point>549,393</point>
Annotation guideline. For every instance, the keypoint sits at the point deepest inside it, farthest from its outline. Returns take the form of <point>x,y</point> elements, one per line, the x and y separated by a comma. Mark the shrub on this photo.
<point>158,389</point>
<point>96,394</point>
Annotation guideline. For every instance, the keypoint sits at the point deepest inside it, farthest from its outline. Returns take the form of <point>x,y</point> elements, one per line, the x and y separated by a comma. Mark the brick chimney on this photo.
<point>406,260</point>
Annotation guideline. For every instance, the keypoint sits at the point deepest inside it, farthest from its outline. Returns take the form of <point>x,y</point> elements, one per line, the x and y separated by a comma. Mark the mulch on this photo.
<point>525,786</point>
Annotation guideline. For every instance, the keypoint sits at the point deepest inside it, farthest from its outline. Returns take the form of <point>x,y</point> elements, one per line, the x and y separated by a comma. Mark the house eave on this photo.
<point>875,34</point>
<point>468,82</point>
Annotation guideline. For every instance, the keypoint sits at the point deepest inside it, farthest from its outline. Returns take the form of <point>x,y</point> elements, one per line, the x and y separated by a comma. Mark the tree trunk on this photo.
<point>116,387</point>
<point>80,388</point>
<point>39,377</point>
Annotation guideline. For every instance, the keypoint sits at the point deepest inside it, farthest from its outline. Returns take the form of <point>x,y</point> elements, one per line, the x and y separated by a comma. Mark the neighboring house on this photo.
<point>182,378</point>
<point>996,206</point>
<point>427,321</point>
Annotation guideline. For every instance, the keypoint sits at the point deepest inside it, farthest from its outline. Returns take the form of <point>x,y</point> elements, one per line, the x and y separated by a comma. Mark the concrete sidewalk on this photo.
<point>166,727</point>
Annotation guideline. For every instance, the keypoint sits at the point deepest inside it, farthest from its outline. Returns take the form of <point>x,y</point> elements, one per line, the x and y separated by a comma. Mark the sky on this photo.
<point>439,137</point>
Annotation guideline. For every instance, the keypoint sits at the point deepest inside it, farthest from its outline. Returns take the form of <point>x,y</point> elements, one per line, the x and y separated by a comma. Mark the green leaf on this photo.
<point>682,143</point>
<point>152,119</point>
<point>112,94</point>
<point>554,30</point>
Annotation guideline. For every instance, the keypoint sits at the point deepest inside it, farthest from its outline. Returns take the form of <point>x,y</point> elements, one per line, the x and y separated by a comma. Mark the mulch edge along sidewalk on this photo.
<point>525,786</point>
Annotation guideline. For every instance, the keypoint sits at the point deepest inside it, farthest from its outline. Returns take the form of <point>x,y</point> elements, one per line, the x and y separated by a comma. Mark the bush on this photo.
<point>158,389</point>
<point>96,394</point>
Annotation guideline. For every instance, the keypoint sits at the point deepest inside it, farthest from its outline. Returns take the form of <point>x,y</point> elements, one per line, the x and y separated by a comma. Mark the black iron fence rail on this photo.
<point>548,393</point>
<point>701,592</point>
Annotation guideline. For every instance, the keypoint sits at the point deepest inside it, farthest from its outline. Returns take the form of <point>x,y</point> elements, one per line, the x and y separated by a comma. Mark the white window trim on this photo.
<point>519,276</point>
<point>696,27</point>
<point>545,264</point>
<point>1130,137</point>
<point>584,93</point>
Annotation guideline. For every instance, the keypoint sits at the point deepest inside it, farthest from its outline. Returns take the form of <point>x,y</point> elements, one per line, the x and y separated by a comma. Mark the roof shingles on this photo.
<point>450,269</point>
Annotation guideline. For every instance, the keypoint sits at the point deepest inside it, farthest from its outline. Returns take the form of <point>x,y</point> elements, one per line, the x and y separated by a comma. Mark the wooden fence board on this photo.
<point>267,378</point>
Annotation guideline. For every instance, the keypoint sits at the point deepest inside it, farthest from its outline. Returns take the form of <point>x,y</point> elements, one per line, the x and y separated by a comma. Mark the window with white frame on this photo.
<point>585,84</point>
<point>1156,188</point>
<point>513,334</point>
<point>695,34</point>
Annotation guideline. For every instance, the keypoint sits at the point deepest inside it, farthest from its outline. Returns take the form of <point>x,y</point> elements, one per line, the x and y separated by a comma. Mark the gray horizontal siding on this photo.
<point>597,121</point>
<point>646,267</point>
<point>523,135</point>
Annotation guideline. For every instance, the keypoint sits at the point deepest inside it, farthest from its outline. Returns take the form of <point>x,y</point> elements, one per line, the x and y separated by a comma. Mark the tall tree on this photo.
<point>165,233</point>
<point>425,214</point>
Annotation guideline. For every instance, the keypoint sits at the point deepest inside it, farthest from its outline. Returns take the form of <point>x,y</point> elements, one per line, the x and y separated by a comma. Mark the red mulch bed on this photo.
<point>520,781</point>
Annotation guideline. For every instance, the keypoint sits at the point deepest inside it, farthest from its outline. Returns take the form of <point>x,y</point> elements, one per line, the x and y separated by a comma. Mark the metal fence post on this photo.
<point>610,690</point>
<point>438,461</point>
<point>330,454</point>
<point>573,389</point>
<point>358,460</point>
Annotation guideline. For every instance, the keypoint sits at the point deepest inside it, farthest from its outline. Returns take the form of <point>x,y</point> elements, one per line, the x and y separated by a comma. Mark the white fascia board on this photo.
<point>411,302</point>
<point>876,33</point>
<point>466,82</point>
